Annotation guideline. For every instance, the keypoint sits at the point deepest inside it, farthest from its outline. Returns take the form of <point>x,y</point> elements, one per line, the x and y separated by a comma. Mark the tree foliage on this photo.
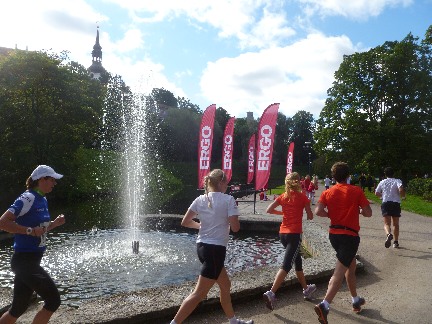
<point>378,111</point>
<point>48,109</point>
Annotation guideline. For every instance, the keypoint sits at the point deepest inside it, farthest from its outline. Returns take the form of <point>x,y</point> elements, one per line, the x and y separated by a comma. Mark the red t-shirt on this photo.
<point>292,209</point>
<point>343,202</point>
<point>307,182</point>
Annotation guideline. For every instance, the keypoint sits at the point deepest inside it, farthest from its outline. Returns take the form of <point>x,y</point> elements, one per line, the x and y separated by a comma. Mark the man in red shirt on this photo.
<point>342,203</point>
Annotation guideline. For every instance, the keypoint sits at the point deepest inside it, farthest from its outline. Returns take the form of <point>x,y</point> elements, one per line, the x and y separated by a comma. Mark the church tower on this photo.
<point>96,69</point>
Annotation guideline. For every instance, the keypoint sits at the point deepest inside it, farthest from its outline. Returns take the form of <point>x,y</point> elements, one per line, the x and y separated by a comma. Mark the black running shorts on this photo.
<point>292,244</point>
<point>391,208</point>
<point>346,247</point>
<point>212,258</point>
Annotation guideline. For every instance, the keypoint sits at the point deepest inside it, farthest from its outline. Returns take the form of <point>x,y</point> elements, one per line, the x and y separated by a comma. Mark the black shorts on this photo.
<point>212,258</point>
<point>292,245</point>
<point>391,208</point>
<point>346,247</point>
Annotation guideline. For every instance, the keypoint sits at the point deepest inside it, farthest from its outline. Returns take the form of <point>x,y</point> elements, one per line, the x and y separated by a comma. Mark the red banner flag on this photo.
<point>228,147</point>
<point>266,133</point>
<point>251,159</point>
<point>205,144</point>
<point>290,158</point>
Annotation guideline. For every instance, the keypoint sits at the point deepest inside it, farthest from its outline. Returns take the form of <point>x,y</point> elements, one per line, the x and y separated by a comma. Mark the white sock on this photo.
<point>233,320</point>
<point>355,299</point>
<point>173,322</point>
<point>326,304</point>
<point>272,293</point>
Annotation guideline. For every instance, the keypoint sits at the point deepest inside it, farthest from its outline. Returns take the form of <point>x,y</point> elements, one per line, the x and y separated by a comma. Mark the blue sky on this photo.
<point>242,55</point>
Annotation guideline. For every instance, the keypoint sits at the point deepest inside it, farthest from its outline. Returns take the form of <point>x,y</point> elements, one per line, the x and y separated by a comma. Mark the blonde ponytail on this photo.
<point>212,182</point>
<point>292,183</point>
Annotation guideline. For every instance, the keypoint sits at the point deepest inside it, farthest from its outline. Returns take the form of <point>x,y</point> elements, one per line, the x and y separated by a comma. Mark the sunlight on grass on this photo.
<point>413,204</point>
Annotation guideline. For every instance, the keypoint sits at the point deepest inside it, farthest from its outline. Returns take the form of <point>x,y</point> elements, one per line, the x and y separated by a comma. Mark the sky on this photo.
<point>242,55</point>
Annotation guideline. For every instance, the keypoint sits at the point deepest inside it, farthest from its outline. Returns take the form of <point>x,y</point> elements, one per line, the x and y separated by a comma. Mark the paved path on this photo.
<point>397,283</point>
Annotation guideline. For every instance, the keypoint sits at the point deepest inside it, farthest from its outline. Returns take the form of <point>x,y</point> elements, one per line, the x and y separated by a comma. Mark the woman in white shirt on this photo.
<point>217,214</point>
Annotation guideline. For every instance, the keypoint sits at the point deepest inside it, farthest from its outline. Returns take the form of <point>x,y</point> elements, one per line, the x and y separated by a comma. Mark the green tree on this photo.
<point>184,103</point>
<point>284,130</point>
<point>243,130</point>
<point>180,131</point>
<point>48,109</point>
<point>378,111</point>
<point>303,125</point>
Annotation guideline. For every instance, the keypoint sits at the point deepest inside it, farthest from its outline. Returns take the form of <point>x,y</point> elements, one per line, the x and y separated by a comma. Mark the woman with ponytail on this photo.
<point>293,202</point>
<point>217,214</point>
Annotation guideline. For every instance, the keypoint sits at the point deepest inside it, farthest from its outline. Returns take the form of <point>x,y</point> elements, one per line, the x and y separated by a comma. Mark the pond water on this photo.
<point>100,262</point>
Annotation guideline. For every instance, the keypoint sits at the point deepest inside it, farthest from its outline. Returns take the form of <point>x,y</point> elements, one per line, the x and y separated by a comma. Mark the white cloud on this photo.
<point>132,39</point>
<point>256,23</point>
<point>355,9</point>
<point>268,31</point>
<point>296,76</point>
<point>56,25</point>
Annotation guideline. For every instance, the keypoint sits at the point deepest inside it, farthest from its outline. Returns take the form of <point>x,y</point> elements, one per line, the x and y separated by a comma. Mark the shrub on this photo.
<point>421,187</point>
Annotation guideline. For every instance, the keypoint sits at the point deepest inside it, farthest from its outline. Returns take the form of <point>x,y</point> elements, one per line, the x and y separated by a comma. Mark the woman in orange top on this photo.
<point>293,202</point>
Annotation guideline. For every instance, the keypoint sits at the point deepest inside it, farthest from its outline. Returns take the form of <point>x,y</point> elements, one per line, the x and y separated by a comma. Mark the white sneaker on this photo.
<point>309,291</point>
<point>239,321</point>
<point>269,299</point>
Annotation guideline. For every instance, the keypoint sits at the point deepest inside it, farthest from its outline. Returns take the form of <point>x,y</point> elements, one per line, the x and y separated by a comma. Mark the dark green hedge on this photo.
<point>421,187</point>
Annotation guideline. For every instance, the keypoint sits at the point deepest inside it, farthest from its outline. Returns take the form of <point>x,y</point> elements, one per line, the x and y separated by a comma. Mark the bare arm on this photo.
<point>402,192</point>
<point>234,223</point>
<point>8,224</point>
<point>60,220</point>
<point>366,211</point>
<point>188,220</point>
<point>309,212</point>
<point>320,210</point>
<point>271,209</point>
<point>378,192</point>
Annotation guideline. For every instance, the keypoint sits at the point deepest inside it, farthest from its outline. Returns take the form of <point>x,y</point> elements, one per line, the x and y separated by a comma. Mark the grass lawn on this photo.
<point>414,204</point>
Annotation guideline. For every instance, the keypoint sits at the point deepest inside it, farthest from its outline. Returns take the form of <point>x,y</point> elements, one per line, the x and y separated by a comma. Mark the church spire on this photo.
<point>97,49</point>
<point>96,69</point>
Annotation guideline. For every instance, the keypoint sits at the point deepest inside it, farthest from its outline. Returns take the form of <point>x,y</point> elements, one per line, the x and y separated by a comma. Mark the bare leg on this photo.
<point>351,278</point>
<point>396,228</point>
<point>301,278</point>
<point>279,279</point>
<point>387,224</point>
<point>7,318</point>
<point>42,317</point>
<point>224,284</point>
<point>191,302</point>
<point>335,281</point>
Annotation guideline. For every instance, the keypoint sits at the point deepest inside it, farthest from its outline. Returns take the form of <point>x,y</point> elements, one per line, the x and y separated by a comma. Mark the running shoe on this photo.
<point>322,313</point>
<point>239,321</point>
<point>269,299</point>
<point>309,291</point>
<point>388,240</point>
<point>396,244</point>
<point>357,306</point>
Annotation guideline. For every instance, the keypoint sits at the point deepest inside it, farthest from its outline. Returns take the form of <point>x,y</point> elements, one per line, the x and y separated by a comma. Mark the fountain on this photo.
<point>93,258</point>
<point>133,140</point>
